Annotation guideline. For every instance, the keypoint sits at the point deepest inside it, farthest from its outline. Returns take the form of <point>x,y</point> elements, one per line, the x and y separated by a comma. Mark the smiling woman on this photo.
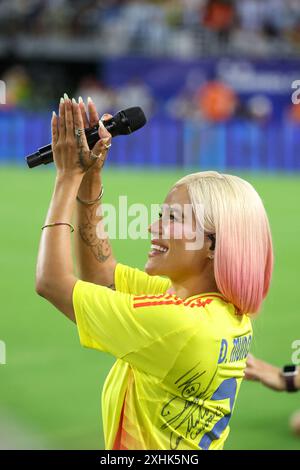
<point>180,331</point>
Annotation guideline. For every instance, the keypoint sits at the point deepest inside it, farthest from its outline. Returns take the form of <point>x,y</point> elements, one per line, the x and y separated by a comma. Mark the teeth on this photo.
<point>159,248</point>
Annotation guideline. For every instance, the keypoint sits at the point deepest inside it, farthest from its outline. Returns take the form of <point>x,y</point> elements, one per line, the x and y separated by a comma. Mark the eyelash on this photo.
<point>172,216</point>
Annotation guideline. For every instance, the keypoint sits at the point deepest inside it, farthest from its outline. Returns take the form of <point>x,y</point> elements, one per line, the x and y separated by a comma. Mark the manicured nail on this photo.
<point>80,100</point>
<point>53,114</point>
<point>90,99</point>
<point>74,101</point>
<point>62,101</point>
<point>66,96</point>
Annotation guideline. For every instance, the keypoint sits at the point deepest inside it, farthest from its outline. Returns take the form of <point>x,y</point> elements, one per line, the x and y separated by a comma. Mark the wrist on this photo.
<point>69,178</point>
<point>92,174</point>
<point>290,375</point>
<point>282,382</point>
<point>90,186</point>
<point>66,187</point>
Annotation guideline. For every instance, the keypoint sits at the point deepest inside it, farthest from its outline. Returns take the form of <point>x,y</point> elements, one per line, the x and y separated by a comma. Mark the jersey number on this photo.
<point>227,389</point>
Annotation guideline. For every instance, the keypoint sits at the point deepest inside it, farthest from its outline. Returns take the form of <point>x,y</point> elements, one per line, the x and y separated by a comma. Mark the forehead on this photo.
<point>178,195</point>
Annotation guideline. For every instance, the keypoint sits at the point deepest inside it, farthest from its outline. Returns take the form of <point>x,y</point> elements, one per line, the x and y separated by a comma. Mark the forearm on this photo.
<point>55,258</point>
<point>297,379</point>
<point>94,258</point>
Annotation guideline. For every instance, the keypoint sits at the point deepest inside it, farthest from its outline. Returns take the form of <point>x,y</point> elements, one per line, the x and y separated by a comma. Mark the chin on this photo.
<point>152,270</point>
<point>149,269</point>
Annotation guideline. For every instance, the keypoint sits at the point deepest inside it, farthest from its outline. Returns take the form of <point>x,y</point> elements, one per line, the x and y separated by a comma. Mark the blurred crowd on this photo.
<point>26,90</point>
<point>185,27</point>
<point>208,101</point>
<point>176,28</point>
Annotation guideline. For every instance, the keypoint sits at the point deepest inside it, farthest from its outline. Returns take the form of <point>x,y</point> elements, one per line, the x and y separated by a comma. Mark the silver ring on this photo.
<point>93,156</point>
<point>79,132</point>
<point>107,146</point>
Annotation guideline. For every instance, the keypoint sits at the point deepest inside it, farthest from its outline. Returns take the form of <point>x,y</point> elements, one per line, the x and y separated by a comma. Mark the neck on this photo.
<point>193,285</point>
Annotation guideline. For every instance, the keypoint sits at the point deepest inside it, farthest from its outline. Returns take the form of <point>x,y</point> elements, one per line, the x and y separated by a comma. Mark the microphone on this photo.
<point>123,123</point>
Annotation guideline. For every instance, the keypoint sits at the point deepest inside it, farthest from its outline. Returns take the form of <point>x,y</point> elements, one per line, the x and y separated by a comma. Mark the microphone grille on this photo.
<point>136,118</point>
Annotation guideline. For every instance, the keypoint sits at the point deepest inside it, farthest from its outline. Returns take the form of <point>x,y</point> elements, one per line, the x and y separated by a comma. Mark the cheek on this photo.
<point>182,237</point>
<point>180,233</point>
<point>174,230</point>
<point>189,232</point>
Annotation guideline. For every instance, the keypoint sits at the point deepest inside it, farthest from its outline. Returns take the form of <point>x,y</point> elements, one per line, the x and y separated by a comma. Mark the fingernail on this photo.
<point>90,99</point>
<point>62,101</point>
<point>66,96</point>
<point>74,101</point>
<point>80,100</point>
<point>53,114</point>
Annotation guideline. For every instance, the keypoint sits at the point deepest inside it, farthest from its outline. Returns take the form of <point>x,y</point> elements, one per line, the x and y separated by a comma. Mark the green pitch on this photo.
<point>50,388</point>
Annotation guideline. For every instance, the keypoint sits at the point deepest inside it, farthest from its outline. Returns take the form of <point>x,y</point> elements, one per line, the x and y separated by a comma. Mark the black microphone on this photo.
<point>123,123</point>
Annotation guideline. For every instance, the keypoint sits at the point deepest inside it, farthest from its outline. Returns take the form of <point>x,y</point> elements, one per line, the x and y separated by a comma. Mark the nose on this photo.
<point>155,228</point>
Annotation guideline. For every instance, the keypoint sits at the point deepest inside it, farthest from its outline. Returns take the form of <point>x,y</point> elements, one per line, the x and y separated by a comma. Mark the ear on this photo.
<point>212,237</point>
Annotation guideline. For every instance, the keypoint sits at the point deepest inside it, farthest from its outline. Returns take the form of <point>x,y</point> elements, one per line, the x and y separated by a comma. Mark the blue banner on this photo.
<point>166,78</point>
<point>240,145</point>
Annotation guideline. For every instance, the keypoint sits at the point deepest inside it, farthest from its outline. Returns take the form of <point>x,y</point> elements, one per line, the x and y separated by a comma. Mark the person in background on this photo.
<point>219,16</point>
<point>217,101</point>
<point>279,379</point>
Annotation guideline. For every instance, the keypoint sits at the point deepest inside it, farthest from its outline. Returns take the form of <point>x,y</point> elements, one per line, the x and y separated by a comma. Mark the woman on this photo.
<point>181,341</point>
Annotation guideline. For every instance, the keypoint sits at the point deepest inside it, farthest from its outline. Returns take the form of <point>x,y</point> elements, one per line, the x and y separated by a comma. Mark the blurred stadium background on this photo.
<point>215,80</point>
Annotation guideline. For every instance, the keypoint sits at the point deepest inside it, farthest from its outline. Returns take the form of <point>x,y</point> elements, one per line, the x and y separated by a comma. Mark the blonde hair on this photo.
<point>235,213</point>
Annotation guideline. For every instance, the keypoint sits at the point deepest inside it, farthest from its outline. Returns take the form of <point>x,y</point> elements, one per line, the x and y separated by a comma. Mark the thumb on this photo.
<point>98,148</point>
<point>103,132</point>
<point>106,116</point>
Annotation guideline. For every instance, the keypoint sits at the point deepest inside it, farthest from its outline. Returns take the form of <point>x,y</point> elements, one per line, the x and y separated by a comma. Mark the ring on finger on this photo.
<point>93,156</point>
<point>79,132</point>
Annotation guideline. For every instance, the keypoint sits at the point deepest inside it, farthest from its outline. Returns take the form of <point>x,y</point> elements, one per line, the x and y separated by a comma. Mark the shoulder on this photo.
<point>134,281</point>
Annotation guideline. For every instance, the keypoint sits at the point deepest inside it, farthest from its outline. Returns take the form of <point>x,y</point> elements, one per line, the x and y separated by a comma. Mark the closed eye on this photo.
<point>171,216</point>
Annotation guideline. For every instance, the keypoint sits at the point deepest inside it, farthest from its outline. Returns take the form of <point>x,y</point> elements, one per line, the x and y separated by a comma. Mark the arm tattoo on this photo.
<point>100,248</point>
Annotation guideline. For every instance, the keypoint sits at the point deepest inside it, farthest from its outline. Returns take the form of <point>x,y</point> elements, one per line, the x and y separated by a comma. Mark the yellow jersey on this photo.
<point>179,363</point>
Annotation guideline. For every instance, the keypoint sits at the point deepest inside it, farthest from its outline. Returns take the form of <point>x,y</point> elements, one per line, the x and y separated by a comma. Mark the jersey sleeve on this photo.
<point>142,330</point>
<point>134,281</point>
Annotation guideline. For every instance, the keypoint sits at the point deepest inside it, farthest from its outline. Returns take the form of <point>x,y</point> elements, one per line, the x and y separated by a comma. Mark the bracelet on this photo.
<point>59,223</point>
<point>289,374</point>
<point>91,202</point>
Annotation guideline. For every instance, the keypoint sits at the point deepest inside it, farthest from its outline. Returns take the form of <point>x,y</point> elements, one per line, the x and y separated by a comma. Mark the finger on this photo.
<point>69,117</point>
<point>106,117</point>
<point>54,129</point>
<point>94,116</point>
<point>103,132</point>
<point>249,376</point>
<point>251,373</point>
<point>83,113</point>
<point>98,148</point>
<point>78,121</point>
<point>250,360</point>
<point>62,124</point>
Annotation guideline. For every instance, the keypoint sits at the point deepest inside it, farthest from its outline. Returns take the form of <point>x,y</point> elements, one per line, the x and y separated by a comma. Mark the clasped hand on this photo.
<point>70,148</point>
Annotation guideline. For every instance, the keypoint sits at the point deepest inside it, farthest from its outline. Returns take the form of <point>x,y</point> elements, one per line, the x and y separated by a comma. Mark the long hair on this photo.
<point>234,212</point>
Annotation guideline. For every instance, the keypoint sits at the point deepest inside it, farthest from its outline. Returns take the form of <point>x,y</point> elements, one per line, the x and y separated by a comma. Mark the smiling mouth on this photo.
<point>157,250</point>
